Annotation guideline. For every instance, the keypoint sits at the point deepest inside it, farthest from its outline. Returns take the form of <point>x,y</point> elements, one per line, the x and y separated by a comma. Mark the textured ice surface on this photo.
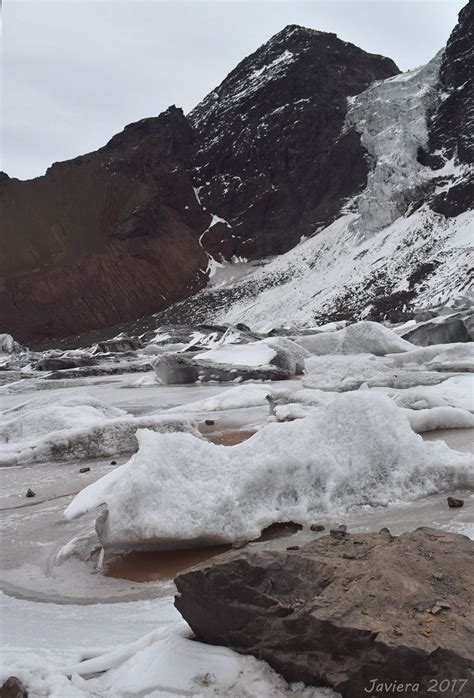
<point>457,391</point>
<point>248,395</point>
<point>450,357</point>
<point>361,338</point>
<point>440,418</point>
<point>73,428</point>
<point>256,354</point>
<point>391,116</point>
<point>357,449</point>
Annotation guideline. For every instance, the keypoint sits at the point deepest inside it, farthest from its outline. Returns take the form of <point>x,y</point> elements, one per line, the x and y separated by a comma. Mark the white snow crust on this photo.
<point>357,449</point>
<point>255,354</point>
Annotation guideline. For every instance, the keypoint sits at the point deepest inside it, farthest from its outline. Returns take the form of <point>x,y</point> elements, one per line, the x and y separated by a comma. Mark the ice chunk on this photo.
<point>458,356</point>
<point>256,354</point>
<point>7,344</point>
<point>289,355</point>
<point>76,427</point>
<point>361,338</point>
<point>168,662</point>
<point>181,491</point>
<point>38,416</point>
<point>440,418</point>
<point>349,372</point>
<point>248,395</point>
<point>457,391</point>
<point>344,372</point>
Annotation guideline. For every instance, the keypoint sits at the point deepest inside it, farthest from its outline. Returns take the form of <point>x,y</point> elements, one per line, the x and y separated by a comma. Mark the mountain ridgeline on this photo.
<point>267,158</point>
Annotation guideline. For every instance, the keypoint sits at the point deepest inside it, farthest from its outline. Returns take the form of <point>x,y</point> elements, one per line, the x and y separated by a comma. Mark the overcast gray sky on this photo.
<point>74,72</point>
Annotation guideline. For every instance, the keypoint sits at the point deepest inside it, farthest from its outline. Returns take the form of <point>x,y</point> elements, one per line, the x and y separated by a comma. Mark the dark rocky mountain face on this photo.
<point>106,237</point>
<point>451,127</point>
<point>266,158</point>
<point>272,160</point>
<point>452,124</point>
<point>118,234</point>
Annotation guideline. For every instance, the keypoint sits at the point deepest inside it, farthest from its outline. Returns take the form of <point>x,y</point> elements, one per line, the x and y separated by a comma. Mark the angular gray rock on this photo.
<point>442,330</point>
<point>350,612</point>
<point>61,363</point>
<point>119,344</point>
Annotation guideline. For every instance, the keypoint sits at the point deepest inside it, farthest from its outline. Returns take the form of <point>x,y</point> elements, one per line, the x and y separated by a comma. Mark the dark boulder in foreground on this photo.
<point>350,612</point>
<point>13,688</point>
<point>273,157</point>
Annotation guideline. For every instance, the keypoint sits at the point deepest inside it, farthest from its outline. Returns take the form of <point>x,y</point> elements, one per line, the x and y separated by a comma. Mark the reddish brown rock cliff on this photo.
<point>103,238</point>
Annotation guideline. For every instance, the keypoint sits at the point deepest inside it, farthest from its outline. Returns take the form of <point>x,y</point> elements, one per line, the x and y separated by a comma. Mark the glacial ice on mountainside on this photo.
<point>390,115</point>
<point>181,491</point>
<point>378,242</point>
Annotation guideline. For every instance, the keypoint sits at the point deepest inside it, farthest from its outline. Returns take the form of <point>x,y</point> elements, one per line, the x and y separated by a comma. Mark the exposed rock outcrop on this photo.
<point>103,238</point>
<point>456,327</point>
<point>344,611</point>
<point>452,122</point>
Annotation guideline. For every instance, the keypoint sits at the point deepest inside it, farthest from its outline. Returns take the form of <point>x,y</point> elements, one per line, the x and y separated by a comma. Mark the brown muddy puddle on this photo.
<point>230,438</point>
<point>155,565</point>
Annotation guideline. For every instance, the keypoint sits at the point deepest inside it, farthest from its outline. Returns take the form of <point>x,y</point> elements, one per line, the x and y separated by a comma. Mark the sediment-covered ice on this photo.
<point>181,491</point>
<point>76,427</point>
